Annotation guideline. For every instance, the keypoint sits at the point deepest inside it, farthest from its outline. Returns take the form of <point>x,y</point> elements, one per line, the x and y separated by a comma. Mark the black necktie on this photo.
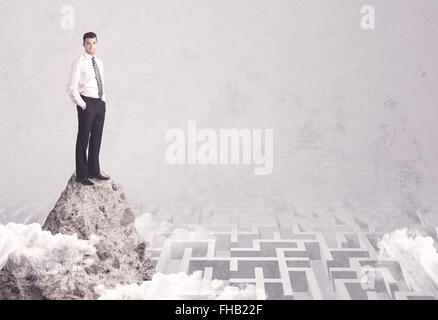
<point>98,79</point>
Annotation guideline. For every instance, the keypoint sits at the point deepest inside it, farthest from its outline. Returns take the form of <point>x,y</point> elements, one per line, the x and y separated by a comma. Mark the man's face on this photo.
<point>90,45</point>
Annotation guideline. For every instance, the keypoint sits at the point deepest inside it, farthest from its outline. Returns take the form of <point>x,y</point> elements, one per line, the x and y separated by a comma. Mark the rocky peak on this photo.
<point>102,215</point>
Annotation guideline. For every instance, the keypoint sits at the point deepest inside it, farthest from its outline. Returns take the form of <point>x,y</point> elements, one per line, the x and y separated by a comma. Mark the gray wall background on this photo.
<point>353,111</point>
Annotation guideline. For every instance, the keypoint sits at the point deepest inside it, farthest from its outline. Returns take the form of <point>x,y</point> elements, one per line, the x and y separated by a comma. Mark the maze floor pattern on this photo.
<point>288,256</point>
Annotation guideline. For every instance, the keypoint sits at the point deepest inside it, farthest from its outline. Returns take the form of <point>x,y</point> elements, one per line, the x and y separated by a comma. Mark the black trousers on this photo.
<point>90,126</point>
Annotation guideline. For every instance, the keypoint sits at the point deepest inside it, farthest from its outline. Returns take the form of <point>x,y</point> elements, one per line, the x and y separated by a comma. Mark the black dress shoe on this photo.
<point>98,176</point>
<point>85,181</point>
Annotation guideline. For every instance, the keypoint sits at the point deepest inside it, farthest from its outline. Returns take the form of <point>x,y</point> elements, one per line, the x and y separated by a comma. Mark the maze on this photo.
<point>291,256</point>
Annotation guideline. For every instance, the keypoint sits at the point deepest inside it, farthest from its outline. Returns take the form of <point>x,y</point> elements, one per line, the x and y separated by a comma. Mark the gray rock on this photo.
<point>88,211</point>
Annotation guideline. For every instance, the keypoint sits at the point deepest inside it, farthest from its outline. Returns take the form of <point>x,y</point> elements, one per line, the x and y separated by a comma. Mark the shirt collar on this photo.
<point>89,56</point>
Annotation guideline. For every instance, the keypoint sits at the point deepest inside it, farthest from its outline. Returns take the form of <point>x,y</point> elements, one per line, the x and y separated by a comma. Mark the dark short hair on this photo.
<point>90,35</point>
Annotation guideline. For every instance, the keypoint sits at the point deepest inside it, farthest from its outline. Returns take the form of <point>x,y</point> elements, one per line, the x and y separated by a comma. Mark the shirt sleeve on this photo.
<point>73,83</point>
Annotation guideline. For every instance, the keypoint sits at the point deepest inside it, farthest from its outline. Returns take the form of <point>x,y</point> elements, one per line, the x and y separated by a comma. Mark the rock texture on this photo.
<point>102,215</point>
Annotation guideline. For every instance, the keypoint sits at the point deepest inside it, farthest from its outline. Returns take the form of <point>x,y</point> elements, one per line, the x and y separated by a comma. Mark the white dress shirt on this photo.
<point>83,79</point>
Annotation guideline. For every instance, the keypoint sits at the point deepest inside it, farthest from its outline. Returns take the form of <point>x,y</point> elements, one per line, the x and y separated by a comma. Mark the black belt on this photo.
<point>86,97</point>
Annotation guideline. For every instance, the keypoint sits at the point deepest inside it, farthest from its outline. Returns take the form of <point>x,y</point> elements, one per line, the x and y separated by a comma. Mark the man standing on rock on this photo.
<point>86,89</point>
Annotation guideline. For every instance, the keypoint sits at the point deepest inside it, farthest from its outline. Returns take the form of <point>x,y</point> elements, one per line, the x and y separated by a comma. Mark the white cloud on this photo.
<point>249,292</point>
<point>20,242</point>
<point>191,233</point>
<point>50,254</point>
<point>152,232</point>
<point>155,234</point>
<point>416,253</point>
<point>176,286</point>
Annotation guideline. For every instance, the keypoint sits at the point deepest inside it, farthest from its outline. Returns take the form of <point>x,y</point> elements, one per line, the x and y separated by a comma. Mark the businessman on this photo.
<point>87,91</point>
